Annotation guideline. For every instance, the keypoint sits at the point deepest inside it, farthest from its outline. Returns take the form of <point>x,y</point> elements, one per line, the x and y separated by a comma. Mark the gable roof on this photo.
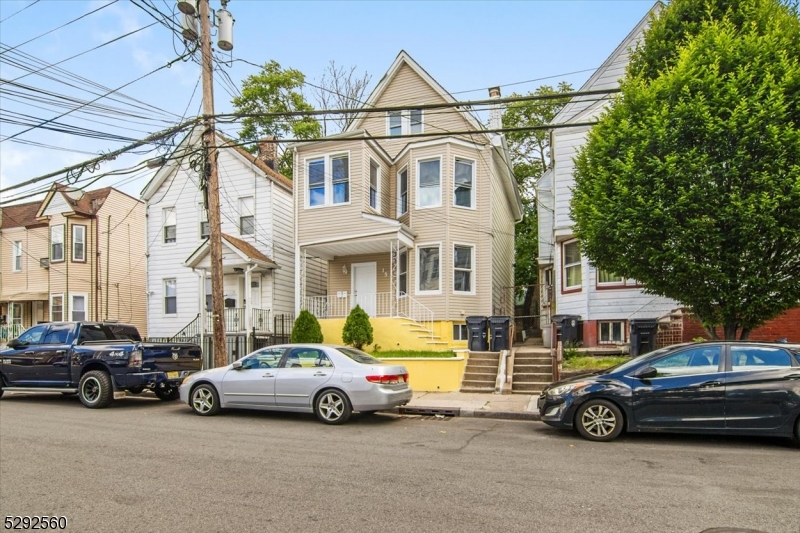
<point>579,104</point>
<point>20,215</point>
<point>86,203</point>
<point>194,138</point>
<point>404,59</point>
<point>246,251</point>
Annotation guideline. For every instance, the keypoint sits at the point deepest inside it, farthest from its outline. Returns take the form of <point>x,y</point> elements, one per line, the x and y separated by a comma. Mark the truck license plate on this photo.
<point>173,375</point>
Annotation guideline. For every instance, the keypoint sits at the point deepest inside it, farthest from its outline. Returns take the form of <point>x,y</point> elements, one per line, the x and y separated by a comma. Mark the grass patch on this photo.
<point>411,353</point>
<point>588,362</point>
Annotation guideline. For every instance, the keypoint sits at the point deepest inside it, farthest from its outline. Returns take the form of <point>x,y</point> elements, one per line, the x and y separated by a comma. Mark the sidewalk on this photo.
<point>478,405</point>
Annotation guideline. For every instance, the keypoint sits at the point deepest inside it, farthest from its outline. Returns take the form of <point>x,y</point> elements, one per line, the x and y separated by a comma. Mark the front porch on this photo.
<point>235,319</point>
<point>21,311</point>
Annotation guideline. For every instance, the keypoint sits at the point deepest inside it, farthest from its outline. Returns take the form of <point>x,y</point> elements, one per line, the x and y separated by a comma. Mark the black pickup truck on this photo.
<point>97,361</point>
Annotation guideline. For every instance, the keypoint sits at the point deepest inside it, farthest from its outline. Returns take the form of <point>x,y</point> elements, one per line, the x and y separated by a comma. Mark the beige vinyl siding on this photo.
<point>407,88</point>
<point>338,281</point>
<point>69,278</point>
<point>32,277</point>
<point>122,295</point>
<point>502,249</point>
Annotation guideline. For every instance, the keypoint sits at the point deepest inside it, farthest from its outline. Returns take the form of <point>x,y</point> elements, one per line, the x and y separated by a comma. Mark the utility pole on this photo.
<point>212,192</point>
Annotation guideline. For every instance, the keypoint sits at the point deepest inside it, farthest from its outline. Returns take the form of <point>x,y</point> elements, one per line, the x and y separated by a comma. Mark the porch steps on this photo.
<point>533,370</point>
<point>480,375</point>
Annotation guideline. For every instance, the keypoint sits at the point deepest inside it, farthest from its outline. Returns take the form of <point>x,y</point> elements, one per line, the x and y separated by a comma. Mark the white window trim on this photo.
<point>416,183</point>
<point>473,195</point>
<point>63,306</point>
<point>399,191</point>
<point>164,298</point>
<point>16,251</point>
<point>242,215</point>
<point>397,281</point>
<point>377,207</point>
<point>418,263</point>
<point>405,121</point>
<point>164,225</point>
<point>471,292</point>
<point>564,267</point>
<point>63,238</point>
<point>72,296</point>
<point>460,326</point>
<point>72,248</point>
<point>610,322</point>
<point>328,179</point>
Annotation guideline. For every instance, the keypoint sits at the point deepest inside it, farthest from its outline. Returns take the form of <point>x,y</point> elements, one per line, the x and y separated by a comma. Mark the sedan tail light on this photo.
<point>390,379</point>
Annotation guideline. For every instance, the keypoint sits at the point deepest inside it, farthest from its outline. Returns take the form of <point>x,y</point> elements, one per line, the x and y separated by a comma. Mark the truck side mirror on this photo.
<point>14,343</point>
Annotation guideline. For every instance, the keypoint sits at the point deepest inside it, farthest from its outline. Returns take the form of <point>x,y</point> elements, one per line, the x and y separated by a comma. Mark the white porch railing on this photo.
<point>378,304</point>
<point>11,331</point>
<point>234,319</point>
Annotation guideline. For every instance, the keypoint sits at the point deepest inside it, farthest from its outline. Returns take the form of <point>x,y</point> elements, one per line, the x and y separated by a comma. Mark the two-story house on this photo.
<point>76,255</point>
<point>257,241</point>
<point>417,231</point>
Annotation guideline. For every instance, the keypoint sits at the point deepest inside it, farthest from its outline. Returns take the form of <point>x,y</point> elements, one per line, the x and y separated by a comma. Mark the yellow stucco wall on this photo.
<point>397,334</point>
<point>426,375</point>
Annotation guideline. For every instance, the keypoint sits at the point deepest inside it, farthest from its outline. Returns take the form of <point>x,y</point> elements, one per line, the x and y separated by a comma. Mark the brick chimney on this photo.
<point>495,111</point>
<point>268,152</point>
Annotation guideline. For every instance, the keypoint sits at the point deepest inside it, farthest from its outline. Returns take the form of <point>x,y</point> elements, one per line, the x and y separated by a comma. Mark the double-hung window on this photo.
<point>428,269</point>
<point>605,277</point>
<point>57,243</point>
<point>464,172</point>
<point>333,187</point>
<point>16,264</point>
<point>170,297</point>
<point>572,265</point>
<point>404,122</point>
<point>463,268</point>
<point>374,185</point>
<point>612,332</point>
<point>429,183</point>
<point>78,307</point>
<point>402,192</point>
<point>247,219</point>
<point>170,225</point>
<point>402,274</point>
<point>79,243</point>
<point>57,307</point>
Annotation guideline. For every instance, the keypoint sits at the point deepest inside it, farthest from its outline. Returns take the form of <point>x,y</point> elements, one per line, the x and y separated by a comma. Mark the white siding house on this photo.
<point>605,304</point>
<point>257,246</point>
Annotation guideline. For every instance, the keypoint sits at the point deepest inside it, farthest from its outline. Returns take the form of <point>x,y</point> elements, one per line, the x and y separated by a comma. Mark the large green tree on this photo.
<point>690,182</point>
<point>275,90</point>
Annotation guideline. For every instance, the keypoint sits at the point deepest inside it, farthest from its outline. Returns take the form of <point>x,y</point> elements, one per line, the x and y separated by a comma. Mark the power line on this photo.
<point>20,11</point>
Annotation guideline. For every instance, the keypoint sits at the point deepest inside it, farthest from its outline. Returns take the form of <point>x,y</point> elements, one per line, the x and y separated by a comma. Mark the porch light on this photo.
<point>344,269</point>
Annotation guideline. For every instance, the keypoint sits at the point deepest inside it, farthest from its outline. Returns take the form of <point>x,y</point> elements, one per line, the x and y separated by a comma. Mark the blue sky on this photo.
<point>466,46</point>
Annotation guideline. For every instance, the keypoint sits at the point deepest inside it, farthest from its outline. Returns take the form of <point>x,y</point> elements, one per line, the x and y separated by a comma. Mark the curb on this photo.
<point>470,413</point>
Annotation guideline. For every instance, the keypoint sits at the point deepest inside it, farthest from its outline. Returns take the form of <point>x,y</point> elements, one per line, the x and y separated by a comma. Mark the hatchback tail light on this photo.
<point>389,379</point>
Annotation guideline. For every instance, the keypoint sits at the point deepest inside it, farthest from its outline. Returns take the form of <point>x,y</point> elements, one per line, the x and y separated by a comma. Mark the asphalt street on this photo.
<point>146,466</point>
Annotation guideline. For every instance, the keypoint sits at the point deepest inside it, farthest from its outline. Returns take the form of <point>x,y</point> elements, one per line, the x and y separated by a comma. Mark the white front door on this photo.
<point>364,286</point>
<point>255,294</point>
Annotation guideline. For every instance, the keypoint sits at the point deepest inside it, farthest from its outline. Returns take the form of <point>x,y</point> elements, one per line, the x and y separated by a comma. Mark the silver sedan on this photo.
<point>330,381</point>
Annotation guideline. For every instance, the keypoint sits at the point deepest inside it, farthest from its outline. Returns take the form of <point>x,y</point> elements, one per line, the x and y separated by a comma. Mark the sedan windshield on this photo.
<point>359,356</point>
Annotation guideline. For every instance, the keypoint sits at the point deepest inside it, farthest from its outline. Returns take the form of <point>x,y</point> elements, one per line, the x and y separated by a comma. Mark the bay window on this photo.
<point>428,271</point>
<point>463,194</point>
<point>327,188</point>
<point>463,266</point>
<point>79,243</point>
<point>402,192</point>
<point>429,183</point>
<point>57,243</point>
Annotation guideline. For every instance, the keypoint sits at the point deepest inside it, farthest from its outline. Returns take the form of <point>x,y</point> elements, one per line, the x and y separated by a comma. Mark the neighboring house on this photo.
<point>418,232</point>
<point>76,255</point>
<point>257,242</point>
<point>605,302</point>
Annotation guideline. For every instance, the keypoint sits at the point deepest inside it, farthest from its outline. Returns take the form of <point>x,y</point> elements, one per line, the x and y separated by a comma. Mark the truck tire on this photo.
<point>96,390</point>
<point>135,390</point>
<point>168,394</point>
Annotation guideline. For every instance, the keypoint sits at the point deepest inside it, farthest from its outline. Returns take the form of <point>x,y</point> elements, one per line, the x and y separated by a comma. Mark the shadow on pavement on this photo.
<point>41,398</point>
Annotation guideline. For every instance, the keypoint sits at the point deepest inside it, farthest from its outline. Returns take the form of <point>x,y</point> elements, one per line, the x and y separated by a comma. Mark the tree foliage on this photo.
<point>530,157</point>
<point>690,182</point>
<point>357,329</point>
<point>340,88</point>
<point>306,328</point>
<point>275,90</point>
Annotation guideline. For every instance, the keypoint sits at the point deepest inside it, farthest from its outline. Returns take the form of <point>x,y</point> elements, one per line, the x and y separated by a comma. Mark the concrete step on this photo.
<point>484,356</point>
<point>481,365</point>
<point>528,360</point>
<point>529,387</point>
<point>479,376</point>
<point>532,378</point>
<point>477,389</point>
<point>531,368</point>
<point>478,383</point>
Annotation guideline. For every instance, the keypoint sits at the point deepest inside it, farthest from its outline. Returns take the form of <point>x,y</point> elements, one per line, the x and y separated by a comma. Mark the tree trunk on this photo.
<point>745,334</point>
<point>711,332</point>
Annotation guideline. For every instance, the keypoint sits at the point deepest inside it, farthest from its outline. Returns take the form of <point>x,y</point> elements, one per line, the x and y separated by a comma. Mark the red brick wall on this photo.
<point>787,325</point>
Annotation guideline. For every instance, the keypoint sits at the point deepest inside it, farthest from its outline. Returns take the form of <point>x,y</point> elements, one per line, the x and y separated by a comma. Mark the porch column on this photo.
<point>248,306</point>
<point>202,302</point>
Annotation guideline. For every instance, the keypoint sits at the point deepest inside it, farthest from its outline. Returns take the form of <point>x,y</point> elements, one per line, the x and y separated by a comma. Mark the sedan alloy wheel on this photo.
<point>205,400</point>
<point>333,407</point>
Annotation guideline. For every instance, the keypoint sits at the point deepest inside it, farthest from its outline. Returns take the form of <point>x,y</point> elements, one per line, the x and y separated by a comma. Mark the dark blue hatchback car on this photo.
<point>725,387</point>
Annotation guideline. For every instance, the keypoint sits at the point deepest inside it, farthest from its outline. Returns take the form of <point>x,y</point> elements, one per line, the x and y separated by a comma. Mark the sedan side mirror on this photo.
<point>237,365</point>
<point>647,373</point>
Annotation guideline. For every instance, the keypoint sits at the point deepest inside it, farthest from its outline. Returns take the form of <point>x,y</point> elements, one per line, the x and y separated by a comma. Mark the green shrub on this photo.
<point>306,328</point>
<point>357,330</point>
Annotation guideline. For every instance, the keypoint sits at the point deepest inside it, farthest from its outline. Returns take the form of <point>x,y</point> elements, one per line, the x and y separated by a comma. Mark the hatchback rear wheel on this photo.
<point>599,420</point>
<point>333,407</point>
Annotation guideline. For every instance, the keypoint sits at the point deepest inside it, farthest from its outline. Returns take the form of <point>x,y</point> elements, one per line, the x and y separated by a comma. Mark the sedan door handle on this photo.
<point>268,375</point>
<point>793,376</point>
<point>711,384</point>
<point>320,374</point>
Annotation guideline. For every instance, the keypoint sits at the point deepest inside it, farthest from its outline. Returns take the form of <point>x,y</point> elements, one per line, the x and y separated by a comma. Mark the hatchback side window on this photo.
<point>33,335</point>
<point>758,358</point>
<point>698,360</point>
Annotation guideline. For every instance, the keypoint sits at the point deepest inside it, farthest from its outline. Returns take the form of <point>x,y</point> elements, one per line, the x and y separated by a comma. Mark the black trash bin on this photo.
<point>566,328</point>
<point>478,336</point>
<point>500,326</point>
<point>643,335</point>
